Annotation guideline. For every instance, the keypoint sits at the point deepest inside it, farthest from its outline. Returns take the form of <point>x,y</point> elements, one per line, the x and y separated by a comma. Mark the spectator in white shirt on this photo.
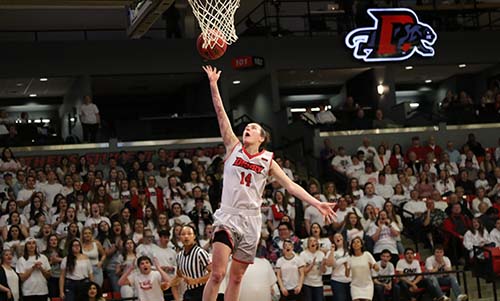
<point>415,205</point>
<point>495,190</point>
<point>356,168</point>
<point>410,284</point>
<point>313,188</point>
<point>367,149</point>
<point>480,198</point>
<point>469,156</point>
<point>438,201</point>
<point>495,234</point>
<point>324,116</point>
<point>497,153</point>
<point>385,284</point>
<point>449,166</point>
<point>382,188</point>
<point>482,181</point>
<point>440,263</point>
<point>343,209</point>
<point>202,158</point>
<point>51,189</point>
<point>312,215</point>
<point>478,236</point>
<point>290,272</point>
<point>341,162</point>
<point>370,198</point>
<point>369,175</point>
<point>399,195</point>
<point>308,116</point>
<point>90,119</point>
<point>286,169</point>
<point>24,195</point>
<point>331,193</point>
<point>445,185</point>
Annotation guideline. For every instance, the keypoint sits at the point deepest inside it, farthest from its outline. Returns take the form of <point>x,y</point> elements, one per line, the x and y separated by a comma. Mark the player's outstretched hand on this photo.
<point>212,73</point>
<point>326,210</point>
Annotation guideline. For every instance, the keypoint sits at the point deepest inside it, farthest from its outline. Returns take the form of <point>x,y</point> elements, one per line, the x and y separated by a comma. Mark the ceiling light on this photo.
<point>414,105</point>
<point>409,67</point>
<point>306,97</point>
<point>33,95</point>
<point>462,66</point>
<point>37,121</point>
<point>428,81</point>
<point>297,110</point>
<point>315,109</point>
<point>43,79</point>
<point>45,120</point>
<point>380,89</point>
<point>236,82</point>
<point>72,119</point>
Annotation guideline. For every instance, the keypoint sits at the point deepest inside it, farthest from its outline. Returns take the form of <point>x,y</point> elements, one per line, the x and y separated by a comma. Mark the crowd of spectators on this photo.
<point>23,130</point>
<point>445,198</point>
<point>348,116</point>
<point>454,108</point>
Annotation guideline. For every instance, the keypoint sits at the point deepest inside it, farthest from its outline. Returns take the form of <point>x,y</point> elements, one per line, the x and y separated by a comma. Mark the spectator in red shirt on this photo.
<point>89,185</point>
<point>433,147</point>
<point>155,194</point>
<point>417,148</point>
<point>455,227</point>
<point>138,204</point>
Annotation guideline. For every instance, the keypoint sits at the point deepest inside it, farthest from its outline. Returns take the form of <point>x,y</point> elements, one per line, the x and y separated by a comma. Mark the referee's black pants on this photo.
<point>195,294</point>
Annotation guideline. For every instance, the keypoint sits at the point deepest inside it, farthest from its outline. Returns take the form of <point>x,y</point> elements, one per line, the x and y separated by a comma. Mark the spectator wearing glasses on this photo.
<point>276,247</point>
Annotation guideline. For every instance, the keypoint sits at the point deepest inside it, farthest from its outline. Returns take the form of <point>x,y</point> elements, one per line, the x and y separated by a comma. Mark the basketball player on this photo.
<point>238,221</point>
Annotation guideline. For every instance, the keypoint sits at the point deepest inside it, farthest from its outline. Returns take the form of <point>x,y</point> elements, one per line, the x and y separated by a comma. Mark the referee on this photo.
<point>193,265</point>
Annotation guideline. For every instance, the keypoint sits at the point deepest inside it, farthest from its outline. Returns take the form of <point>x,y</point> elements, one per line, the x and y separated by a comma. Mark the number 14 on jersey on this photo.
<point>246,179</point>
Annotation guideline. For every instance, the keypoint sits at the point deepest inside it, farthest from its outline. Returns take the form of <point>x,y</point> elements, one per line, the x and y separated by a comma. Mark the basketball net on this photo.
<point>216,19</point>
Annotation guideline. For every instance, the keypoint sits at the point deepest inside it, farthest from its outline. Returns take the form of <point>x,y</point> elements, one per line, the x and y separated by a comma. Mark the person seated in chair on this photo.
<point>438,263</point>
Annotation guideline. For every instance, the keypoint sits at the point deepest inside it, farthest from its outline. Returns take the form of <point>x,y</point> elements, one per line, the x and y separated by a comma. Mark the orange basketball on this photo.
<point>213,51</point>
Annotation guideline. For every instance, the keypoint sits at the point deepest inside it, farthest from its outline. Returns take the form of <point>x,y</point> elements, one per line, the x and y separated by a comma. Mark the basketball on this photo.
<point>213,51</point>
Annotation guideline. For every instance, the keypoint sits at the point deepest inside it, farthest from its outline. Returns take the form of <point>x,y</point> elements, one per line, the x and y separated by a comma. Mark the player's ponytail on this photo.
<point>266,136</point>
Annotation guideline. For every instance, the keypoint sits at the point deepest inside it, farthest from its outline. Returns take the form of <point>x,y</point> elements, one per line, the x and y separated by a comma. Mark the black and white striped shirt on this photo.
<point>193,264</point>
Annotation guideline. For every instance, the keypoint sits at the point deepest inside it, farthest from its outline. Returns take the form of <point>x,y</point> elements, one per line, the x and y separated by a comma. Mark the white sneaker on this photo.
<point>462,297</point>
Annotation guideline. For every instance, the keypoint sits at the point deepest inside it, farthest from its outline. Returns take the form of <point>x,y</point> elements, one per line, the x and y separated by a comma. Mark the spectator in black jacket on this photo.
<point>475,146</point>
<point>200,215</point>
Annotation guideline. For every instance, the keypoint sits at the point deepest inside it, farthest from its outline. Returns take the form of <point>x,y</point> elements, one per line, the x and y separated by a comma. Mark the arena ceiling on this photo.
<point>156,84</point>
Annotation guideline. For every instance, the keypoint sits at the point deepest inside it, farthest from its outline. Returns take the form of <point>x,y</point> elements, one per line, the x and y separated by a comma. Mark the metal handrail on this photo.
<point>458,272</point>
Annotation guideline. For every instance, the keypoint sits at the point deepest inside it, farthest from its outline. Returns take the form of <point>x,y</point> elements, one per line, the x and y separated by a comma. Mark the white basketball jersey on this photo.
<point>245,177</point>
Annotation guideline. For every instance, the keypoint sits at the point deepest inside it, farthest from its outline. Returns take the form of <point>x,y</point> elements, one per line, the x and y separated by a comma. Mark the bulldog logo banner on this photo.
<point>397,35</point>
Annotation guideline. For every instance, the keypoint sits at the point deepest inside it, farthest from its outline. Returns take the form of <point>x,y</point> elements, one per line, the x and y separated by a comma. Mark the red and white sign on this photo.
<point>247,62</point>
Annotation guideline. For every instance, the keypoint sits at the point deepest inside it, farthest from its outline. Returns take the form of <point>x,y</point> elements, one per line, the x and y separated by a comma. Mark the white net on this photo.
<point>216,19</point>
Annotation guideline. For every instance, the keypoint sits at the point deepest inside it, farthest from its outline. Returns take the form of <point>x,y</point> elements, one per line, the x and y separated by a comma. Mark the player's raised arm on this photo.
<point>326,209</point>
<point>226,131</point>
